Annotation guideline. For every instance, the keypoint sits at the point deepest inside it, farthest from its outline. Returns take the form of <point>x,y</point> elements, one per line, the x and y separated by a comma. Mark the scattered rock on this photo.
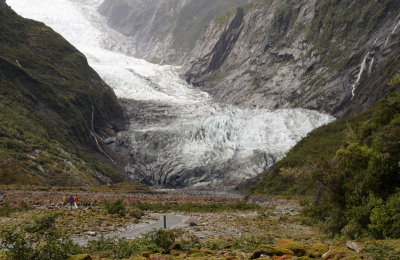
<point>91,233</point>
<point>269,250</point>
<point>193,224</point>
<point>354,246</point>
<point>330,254</point>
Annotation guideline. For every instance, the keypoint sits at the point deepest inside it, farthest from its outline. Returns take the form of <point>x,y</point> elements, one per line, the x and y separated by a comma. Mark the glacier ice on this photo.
<point>177,135</point>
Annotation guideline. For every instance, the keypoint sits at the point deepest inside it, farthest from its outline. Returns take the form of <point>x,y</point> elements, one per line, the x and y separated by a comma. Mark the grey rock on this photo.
<point>164,31</point>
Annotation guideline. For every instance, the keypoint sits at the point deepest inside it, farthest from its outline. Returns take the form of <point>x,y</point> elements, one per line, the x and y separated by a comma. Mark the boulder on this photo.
<point>269,250</point>
<point>317,250</point>
<point>284,257</point>
<point>356,247</point>
<point>297,248</point>
<point>80,257</point>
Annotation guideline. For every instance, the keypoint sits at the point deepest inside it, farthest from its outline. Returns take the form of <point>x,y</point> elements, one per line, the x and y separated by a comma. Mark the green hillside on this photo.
<point>47,95</point>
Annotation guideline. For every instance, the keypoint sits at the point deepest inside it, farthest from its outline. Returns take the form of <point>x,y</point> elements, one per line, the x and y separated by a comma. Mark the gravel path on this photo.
<point>133,231</point>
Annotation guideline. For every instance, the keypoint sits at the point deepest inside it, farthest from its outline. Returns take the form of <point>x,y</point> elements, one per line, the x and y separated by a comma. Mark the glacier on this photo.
<point>177,135</point>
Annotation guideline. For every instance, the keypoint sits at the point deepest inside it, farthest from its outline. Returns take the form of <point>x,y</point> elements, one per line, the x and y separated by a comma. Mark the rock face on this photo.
<point>312,54</point>
<point>164,31</point>
<point>324,55</point>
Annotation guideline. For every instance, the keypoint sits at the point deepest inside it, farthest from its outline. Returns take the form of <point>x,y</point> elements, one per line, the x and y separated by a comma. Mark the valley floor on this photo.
<point>216,226</point>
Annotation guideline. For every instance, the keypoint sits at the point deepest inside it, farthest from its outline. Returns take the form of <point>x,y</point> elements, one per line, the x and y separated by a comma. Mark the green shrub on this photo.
<point>162,239</point>
<point>6,210</point>
<point>385,218</point>
<point>114,248</point>
<point>116,207</point>
<point>378,251</point>
<point>157,241</point>
<point>49,245</point>
<point>43,223</point>
<point>136,213</point>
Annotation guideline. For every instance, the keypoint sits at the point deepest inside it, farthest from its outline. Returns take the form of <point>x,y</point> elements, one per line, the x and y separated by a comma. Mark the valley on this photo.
<point>256,129</point>
<point>177,135</point>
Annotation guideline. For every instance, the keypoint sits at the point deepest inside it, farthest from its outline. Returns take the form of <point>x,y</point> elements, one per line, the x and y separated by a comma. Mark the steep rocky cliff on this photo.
<point>52,106</point>
<point>164,31</point>
<point>325,55</point>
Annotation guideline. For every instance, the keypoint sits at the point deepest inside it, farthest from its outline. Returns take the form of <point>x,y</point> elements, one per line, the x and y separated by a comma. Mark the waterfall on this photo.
<point>390,35</point>
<point>362,68</point>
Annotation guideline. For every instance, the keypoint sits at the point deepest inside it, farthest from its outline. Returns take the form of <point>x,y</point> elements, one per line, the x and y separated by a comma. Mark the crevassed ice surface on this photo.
<point>178,135</point>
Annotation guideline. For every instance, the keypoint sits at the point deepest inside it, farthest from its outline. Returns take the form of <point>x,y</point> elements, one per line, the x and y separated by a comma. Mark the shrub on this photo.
<point>136,213</point>
<point>114,248</point>
<point>116,207</point>
<point>6,210</point>
<point>385,218</point>
<point>157,241</point>
<point>162,239</point>
<point>49,245</point>
<point>379,251</point>
<point>43,223</point>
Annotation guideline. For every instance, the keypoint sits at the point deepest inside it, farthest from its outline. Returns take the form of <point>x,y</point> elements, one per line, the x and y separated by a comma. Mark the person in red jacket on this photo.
<point>76,199</point>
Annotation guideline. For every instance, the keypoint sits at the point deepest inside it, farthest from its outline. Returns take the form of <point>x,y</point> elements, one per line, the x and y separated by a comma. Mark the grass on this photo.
<point>122,187</point>
<point>195,207</point>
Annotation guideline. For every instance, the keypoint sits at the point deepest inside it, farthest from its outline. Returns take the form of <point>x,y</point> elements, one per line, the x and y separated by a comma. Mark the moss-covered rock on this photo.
<point>80,257</point>
<point>316,250</point>
<point>298,249</point>
<point>270,250</point>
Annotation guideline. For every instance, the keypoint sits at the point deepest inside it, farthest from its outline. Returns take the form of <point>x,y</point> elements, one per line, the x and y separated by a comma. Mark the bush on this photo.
<point>43,223</point>
<point>162,239</point>
<point>379,251</point>
<point>6,210</point>
<point>49,245</point>
<point>157,241</point>
<point>136,213</point>
<point>112,248</point>
<point>116,207</point>
<point>385,218</point>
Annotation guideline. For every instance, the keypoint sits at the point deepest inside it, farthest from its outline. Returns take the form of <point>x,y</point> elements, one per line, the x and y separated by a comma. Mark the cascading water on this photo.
<point>369,58</point>
<point>177,135</point>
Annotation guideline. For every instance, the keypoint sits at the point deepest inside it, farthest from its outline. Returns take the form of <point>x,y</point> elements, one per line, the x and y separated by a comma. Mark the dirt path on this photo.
<point>173,220</point>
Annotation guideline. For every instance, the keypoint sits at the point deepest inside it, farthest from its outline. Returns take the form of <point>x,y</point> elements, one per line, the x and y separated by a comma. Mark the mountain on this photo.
<point>327,55</point>
<point>163,31</point>
<point>54,109</point>
<point>324,55</point>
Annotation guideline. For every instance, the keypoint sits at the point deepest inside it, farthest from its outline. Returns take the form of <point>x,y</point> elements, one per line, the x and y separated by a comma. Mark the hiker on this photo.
<point>64,201</point>
<point>76,199</point>
<point>70,201</point>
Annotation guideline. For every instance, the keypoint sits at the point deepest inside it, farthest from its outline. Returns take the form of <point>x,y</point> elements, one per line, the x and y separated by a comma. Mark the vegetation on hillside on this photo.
<point>357,185</point>
<point>336,27</point>
<point>48,93</point>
